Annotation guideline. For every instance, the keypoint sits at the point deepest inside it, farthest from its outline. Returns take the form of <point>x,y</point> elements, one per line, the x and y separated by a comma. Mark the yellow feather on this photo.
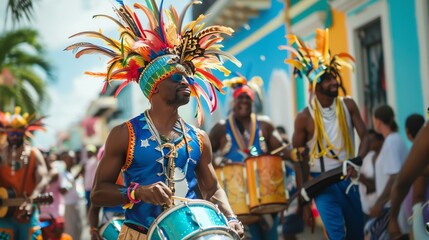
<point>326,50</point>
<point>297,64</point>
<point>193,23</point>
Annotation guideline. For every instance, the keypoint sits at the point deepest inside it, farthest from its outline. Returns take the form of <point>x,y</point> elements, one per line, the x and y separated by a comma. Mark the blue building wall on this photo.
<point>263,56</point>
<point>405,47</point>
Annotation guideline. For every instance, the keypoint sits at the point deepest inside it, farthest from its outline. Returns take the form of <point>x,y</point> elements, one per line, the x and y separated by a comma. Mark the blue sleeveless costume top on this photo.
<point>146,165</point>
<point>233,152</point>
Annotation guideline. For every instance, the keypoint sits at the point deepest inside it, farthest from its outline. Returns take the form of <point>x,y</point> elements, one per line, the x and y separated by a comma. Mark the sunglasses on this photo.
<point>18,134</point>
<point>177,77</point>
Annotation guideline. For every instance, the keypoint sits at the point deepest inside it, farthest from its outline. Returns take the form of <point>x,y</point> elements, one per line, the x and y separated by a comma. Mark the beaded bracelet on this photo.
<point>295,155</point>
<point>232,219</point>
<point>131,193</point>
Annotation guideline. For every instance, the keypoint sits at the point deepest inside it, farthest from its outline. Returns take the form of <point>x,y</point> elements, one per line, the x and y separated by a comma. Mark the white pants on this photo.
<point>73,220</point>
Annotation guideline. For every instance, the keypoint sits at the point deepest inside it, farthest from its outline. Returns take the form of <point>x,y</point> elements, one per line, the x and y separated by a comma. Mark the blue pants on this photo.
<point>88,199</point>
<point>11,229</point>
<point>258,231</point>
<point>341,213</point>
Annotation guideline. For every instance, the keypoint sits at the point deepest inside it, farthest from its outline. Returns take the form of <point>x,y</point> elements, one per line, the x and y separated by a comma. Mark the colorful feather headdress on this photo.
<point>240,85</point>
<point>313,63</point>
<point>28,123</point>
<point>165,49</point>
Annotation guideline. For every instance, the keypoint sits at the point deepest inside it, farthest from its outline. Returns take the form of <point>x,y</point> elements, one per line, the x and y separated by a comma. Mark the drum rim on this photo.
<point>230,163</point>
<point>231,232</point>
<point>271,203</point>
<point>192,202</point>
<point>263,155</point>
<point>263,206</point>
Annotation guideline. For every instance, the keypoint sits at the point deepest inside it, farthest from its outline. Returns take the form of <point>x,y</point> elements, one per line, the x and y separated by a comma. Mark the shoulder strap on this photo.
<point>322,161</point>
<point>21,192</point>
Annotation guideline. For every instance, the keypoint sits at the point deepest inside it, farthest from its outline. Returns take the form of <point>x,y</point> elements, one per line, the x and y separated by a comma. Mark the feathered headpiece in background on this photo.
<point>165,49</point>
<point>240,85</point>
<point>28,123</point>
<point>313,63</point>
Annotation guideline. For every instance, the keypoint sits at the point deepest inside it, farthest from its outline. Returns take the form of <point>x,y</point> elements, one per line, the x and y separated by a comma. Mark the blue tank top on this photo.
<point>237,153</point>
<point>145,165</point>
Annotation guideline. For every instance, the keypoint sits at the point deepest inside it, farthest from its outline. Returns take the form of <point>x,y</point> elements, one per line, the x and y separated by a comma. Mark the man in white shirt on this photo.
<point>71,188</point>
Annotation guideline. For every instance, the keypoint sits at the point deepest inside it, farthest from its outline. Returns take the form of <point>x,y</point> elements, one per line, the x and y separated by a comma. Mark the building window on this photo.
<point>372,68</point>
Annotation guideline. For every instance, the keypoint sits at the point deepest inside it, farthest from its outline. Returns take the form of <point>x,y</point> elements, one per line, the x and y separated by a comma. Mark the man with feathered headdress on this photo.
<point>327,126</point>
<point>161,157</point>
<point>244,135</point>
<point>22,170</point>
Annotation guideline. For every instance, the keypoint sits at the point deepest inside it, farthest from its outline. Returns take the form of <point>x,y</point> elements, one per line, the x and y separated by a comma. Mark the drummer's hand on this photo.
<point>394,230</point>
<point>237,226</point>
<point>351,172</point>
<point>95,234</point>
<point>304,151</point>
<point>157,193</point>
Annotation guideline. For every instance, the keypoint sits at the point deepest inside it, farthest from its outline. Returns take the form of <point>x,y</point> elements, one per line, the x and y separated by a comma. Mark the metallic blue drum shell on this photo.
<point>191,220</point>
<point>111,230</point>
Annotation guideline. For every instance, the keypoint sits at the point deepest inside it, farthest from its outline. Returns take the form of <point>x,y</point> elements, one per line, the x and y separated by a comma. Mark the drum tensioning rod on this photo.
<point>222,178</point>
<point>284,180</point>
<point>246,186</point>
<point>255,170</point>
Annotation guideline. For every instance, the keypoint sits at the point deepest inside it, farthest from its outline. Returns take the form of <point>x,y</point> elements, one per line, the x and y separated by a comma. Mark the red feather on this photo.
<point>216,82</point>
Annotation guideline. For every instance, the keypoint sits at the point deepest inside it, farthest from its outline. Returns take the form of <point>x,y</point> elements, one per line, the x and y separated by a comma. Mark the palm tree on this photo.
<point>21,59</point>
<point>19,9</point>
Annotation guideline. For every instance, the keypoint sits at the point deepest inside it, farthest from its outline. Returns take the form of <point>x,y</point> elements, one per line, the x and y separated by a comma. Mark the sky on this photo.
<point>72,91</point>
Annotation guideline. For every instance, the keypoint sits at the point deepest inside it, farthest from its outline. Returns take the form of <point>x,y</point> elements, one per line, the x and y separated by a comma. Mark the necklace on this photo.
<point>159,137</point>
<point>161,144</point>
<point>16,163</point>
<point>328,113</point>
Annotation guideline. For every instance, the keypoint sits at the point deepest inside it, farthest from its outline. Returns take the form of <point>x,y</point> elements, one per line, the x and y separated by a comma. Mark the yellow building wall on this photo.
<point>339,43</point>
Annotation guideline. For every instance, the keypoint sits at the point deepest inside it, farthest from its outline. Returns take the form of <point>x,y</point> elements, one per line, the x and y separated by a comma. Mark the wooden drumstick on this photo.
<point>279,149</point>
<point>181,199</point>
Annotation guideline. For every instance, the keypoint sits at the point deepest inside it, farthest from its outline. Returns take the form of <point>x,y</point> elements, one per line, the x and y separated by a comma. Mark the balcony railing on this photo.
<point>231,13</point>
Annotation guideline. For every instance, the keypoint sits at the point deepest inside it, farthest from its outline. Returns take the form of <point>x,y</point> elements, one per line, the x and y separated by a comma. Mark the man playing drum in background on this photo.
<point>327,127</point>
<point>244,135</point>
<point>162,158</point>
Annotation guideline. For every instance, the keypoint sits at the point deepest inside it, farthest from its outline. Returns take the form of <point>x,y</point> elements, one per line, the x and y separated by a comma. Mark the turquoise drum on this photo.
<point>196,219</point>
<point>111,230</point>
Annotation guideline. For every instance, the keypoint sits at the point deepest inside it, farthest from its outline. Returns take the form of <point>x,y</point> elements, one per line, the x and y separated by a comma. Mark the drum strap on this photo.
<point>130,233</point>
<point>322,161</point>
<point>137,228</point>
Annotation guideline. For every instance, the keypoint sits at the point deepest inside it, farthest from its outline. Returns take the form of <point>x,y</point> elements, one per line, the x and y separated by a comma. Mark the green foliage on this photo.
<point>22,55</point>
<point>19,10</point>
